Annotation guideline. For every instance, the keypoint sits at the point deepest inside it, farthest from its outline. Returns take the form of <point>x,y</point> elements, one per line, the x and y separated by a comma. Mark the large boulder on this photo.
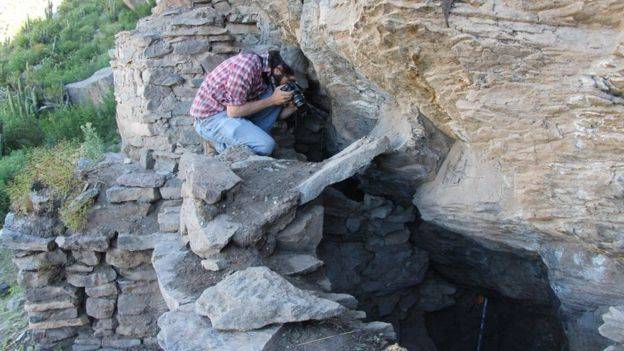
<point>92,90</point>
<point>256,297</point>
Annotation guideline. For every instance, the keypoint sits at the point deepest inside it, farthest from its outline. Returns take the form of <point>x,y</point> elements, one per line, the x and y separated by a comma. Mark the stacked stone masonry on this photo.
<point>159,66</point>
<point>146,264</point>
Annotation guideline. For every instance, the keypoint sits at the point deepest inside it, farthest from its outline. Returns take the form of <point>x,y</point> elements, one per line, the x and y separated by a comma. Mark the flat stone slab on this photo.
<point>73,322</point>
<point>294,263</point>
<point>89,258</point>
<point>41,260</point>
<point>142,179</point>
<point>49,293</point>
<point>181,277</point>
<point>99,243</point>
<point>108,289</point>
<point>118,194</point>
<point>100,276</point>
<point>341,166</point>
<point>127,259</point>
<point>134,242</point>
<point>40,278</point>
<point>255,297</point>
<point>142,272</point>
<point>13,240</point>
<point>185,330</point>
<point>57,304</point>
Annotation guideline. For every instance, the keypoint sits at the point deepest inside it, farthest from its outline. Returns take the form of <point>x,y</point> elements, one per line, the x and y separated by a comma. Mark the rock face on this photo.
<point>92,90</point>
<point>533,114</point>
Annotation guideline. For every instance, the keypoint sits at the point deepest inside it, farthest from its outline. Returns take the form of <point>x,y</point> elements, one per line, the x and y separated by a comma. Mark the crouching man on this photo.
<point>240,100</point>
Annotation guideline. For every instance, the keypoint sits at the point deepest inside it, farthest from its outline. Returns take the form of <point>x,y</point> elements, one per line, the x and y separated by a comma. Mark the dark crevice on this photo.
<point>435,301</point>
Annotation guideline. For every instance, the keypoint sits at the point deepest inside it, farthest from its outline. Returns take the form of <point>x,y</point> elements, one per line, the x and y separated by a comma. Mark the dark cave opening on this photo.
<point>507,324</point>
<point>430,283</point>
<point>305,133</point>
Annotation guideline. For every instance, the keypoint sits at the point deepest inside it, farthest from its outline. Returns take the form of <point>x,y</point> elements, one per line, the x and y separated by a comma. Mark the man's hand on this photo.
<point>281,97</point>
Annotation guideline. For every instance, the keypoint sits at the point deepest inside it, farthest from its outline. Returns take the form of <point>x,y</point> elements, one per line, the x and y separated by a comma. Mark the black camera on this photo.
<point>298,97</point>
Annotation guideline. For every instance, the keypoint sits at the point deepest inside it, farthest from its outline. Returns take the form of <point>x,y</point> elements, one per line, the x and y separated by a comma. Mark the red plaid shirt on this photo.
<point>235,81</point>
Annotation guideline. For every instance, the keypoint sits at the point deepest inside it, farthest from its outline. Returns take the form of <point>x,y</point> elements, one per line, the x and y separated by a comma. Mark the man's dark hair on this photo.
<point>275,60</point>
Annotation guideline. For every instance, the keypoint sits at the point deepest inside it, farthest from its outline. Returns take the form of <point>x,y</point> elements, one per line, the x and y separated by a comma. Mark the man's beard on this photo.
<point>276,79</point>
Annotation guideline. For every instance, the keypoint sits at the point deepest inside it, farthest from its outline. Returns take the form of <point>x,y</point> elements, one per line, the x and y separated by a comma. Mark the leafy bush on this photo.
<point>93,147</point>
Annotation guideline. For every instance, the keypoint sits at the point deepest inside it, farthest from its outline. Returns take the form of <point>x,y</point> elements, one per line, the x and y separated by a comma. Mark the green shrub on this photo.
<point>70,46</point>
<point>52,168</point>
<point>64,124</point>
<point>18,115</point>
<point>19,133</point>
<point>92,147</point>
<point>9,166</point>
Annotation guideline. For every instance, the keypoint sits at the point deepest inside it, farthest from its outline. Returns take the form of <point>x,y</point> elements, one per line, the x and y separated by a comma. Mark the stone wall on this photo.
<point>229,258</point>
<point>159,66</point>
<point>96,288</point>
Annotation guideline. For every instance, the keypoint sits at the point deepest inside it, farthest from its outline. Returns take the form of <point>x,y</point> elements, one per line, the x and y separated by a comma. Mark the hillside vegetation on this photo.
<point>42,136</point>
<point>63,47</point>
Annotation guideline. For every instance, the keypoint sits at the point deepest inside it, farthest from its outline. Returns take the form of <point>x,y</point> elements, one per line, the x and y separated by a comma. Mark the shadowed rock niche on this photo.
<point>430,283</point>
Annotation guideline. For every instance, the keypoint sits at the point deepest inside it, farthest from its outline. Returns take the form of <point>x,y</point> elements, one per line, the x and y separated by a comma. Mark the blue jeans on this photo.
<point>252,131</point>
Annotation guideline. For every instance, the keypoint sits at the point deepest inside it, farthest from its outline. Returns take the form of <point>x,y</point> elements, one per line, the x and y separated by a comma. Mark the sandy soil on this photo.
<point>13,13</point>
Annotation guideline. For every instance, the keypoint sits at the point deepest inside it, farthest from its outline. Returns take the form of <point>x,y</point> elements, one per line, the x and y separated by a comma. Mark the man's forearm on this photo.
<point>248,108</point>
